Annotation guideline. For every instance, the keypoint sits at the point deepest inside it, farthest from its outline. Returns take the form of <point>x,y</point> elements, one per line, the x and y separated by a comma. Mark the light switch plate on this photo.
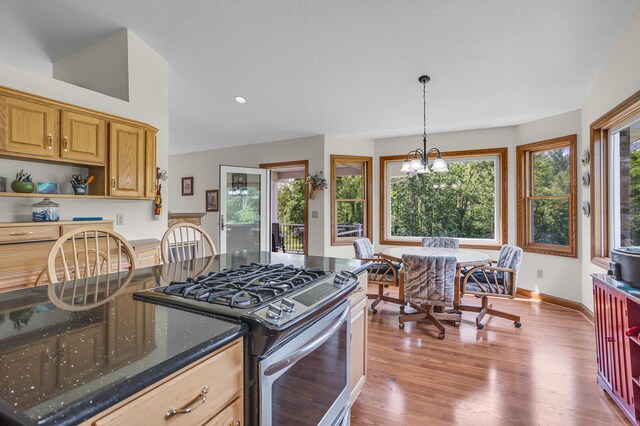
<point>120,219</point>
<point>314,214</point>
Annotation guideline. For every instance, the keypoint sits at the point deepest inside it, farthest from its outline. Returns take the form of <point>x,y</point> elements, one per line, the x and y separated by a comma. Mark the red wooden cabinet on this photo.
<point>618,355</point>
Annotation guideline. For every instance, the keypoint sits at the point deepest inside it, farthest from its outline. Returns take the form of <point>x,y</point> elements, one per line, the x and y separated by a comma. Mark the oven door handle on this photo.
<point>306,350</point>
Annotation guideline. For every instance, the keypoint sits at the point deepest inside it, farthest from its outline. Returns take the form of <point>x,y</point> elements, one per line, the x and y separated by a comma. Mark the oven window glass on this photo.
<point>305,393</point>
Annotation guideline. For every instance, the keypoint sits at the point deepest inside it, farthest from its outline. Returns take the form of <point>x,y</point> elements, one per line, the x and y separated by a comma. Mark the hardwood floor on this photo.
<point>541,374</point>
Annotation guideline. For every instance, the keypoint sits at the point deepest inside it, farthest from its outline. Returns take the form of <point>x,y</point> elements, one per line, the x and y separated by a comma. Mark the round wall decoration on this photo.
<point>586,178</point>
<point>586,157</point>
<point>586,208</point>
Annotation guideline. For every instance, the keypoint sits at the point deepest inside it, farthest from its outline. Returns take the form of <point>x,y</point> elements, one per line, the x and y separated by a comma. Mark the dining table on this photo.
<point>465,258</point>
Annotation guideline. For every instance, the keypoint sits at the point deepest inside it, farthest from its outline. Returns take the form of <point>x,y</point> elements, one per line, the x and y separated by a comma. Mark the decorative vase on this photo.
<point>22,187</point>
<point>80,189</point>
<point>312,193</point>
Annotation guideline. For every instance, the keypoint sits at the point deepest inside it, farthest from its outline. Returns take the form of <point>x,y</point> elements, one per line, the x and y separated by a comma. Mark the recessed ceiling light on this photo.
<point>240,100</point>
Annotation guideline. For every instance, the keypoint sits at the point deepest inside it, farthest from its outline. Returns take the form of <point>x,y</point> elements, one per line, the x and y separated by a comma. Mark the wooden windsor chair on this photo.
<point>186,241</point>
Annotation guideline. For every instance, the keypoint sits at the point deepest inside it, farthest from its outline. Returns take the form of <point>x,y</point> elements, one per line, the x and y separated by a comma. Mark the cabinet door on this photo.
<point>126,160</point>
<point>28,129</point>
<point>83,138</point>
<point>150,165</point>
<point>603,347</point>
<point>358,358</point>
<point>230,416</point>
<point>81,354</point>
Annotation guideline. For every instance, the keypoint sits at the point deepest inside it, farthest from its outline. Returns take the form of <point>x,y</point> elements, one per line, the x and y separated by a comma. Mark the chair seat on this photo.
<point>381,271</point>
<point>487,287</point>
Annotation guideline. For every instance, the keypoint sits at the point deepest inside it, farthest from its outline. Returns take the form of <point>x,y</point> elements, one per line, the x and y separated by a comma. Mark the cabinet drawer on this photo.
<point>230,416</point>
<point>21,234</point>
<point>68,228</point>
<point>222,374</point>
<point>360,292</point>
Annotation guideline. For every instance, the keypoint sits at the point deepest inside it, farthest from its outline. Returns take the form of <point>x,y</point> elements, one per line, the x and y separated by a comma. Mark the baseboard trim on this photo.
<point>559,301</point>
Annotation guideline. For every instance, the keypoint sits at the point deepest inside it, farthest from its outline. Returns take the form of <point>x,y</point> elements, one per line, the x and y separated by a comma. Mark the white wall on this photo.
<point>102,67</point>
<point>619,79</point>
<point>148,86</point>
<point>204,166</point>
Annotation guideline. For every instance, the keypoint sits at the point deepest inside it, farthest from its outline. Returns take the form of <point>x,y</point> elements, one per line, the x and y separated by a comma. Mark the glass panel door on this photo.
<point>244,214</point>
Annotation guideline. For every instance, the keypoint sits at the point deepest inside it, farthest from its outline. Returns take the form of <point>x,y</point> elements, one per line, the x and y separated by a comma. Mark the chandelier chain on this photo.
<point>424,109</point>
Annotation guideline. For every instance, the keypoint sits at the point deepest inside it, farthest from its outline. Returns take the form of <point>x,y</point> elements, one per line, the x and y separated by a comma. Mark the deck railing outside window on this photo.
<point>293,236</point>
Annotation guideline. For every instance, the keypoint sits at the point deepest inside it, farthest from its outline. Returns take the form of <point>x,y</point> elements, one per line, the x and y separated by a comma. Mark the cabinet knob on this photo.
<point>65,145</point>
<point>50,144</point>
<point>237,423</point>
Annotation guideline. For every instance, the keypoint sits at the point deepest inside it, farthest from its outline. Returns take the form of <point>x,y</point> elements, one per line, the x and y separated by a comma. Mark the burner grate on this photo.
<point>246,286</point>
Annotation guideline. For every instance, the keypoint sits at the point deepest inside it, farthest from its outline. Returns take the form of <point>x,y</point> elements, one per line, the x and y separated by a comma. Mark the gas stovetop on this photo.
<point>244,287</point>
<point>274,295</point>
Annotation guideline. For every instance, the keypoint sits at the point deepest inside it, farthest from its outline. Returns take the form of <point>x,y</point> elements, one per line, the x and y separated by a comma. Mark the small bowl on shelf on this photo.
<point>22,187</point>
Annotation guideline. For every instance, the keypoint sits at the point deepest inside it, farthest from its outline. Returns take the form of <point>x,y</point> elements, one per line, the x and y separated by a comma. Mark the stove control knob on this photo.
<point>340,280</point>
<point>288,305</point>
<point>274,312</point>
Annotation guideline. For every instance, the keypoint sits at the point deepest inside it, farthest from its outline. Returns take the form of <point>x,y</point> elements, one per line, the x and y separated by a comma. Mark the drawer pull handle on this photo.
<point>50,144</point>
<point>610,339</point>
<point>14,234</point>
<point>358,290</point>
<point>188,408</point>
<point>113,183</point>
<point>66,144</point>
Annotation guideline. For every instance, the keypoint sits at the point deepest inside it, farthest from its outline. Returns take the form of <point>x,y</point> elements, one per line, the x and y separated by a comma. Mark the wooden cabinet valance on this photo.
<point>120,153</point>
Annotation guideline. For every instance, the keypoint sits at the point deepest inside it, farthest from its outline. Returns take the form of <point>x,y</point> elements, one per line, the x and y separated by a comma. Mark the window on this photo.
<point>614,159</point>
<point>547,217</point>
<point>468,202</point>
<point>351,195</point>
<point>625,184</point>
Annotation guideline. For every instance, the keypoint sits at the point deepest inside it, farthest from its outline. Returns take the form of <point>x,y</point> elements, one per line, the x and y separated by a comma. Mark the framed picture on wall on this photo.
<point>211,200</point>
<point>187,185</point>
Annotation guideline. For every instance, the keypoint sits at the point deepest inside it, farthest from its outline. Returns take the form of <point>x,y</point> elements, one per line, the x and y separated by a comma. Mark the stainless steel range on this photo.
<point>297,352</point>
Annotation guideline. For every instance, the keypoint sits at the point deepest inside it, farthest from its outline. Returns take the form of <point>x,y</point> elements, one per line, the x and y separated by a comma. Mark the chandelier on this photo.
<point>417,161</point>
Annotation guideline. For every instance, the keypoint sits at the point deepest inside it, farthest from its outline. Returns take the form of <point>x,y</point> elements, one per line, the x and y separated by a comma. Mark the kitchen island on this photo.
<point>69,352</point>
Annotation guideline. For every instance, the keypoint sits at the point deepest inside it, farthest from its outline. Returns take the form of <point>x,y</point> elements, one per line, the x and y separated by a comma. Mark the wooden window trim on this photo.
<point>501,153</point>
<point>368,200</point>
<point>600,179</point>
<point>524,199</point>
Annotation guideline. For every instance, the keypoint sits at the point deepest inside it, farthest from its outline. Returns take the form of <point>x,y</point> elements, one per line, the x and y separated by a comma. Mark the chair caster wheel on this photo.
<point>480,326</point>
<point>401,326</point>
<point>375,311</point>
<point>441,336</point>
<point>518,324</point>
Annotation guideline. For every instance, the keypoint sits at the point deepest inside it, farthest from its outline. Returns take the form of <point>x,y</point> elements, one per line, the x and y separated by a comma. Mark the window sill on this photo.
<point>551,251</point>
<point>462,246</point>
<point>602,262</point>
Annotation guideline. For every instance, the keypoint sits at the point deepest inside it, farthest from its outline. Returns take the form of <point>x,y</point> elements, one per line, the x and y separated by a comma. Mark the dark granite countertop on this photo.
<point>619,285</point>
<point>69,351</point>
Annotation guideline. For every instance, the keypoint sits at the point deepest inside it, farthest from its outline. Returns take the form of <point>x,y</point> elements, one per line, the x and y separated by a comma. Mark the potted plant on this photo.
<point>316,183</point>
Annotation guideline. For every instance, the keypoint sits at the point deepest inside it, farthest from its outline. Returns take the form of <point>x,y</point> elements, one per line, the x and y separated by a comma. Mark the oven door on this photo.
<point>306,381</point>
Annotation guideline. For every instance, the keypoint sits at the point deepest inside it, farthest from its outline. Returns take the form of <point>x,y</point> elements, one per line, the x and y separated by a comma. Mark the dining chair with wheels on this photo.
<point>186,241</point>
<point>385,271</point>
<point>87,252</point>
<point>429,282</point>
<point>499,279</point>
<point>441,242</point>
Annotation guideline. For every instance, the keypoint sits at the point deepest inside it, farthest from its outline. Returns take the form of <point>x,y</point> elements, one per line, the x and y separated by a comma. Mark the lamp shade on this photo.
<point>406,166</point>
<point>439,165</point>
<point>416,164</point>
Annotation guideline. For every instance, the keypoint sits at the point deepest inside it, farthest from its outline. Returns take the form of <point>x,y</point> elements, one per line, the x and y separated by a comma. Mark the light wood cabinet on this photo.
<point>83,138</point>
<point>126,160</point>
<point>24,247</point>
<point>218,377</point>
<point>28,129</point>
<point>150,165</point>
<point>359,331</point>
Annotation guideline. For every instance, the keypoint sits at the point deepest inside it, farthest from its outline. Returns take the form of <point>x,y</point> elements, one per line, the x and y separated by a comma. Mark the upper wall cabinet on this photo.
<point>83,138</point>
<point>28,129</point>
<point>126,160</point>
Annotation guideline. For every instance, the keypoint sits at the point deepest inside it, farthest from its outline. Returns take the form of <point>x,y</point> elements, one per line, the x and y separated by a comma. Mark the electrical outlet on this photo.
<point>539,273</point>
<point>120,219</point>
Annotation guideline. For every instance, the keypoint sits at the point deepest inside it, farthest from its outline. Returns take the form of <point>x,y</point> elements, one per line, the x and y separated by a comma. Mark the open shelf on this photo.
<point>38,195</point>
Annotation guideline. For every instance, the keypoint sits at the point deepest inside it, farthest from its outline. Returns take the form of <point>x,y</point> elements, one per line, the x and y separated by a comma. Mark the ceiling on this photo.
<point>338,67</point>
